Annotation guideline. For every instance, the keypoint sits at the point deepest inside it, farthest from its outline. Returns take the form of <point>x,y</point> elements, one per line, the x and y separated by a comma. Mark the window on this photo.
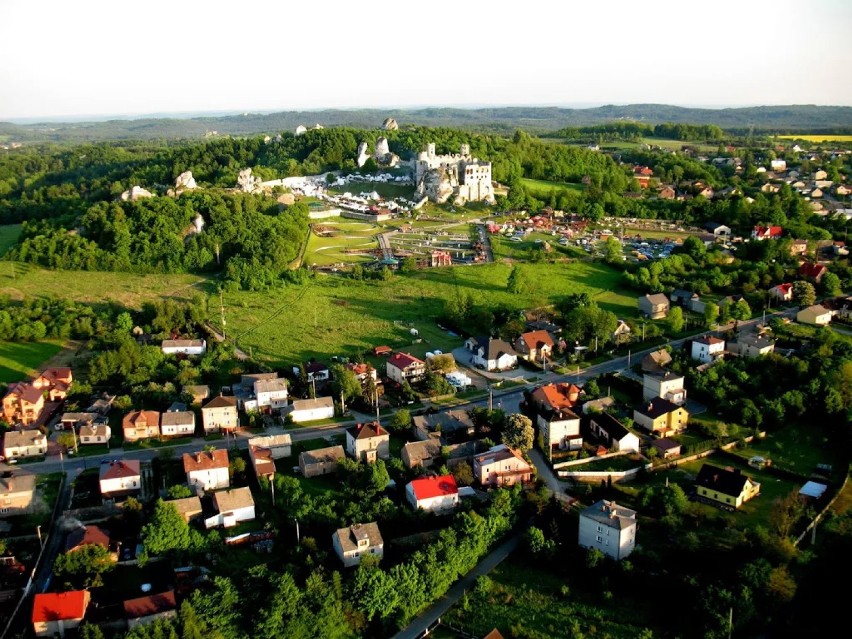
<point>599,539</point>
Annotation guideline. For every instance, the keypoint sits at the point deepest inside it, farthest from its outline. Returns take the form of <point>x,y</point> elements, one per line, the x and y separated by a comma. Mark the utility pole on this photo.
<point>222,312</point>
<point>297,531</point>
<point>38,531</point>
<point>628,359</point>
<point>490,392</point>
<point>272,488</point>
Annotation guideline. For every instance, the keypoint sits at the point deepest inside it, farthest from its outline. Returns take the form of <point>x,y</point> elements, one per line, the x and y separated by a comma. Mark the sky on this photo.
<point>131,57</point>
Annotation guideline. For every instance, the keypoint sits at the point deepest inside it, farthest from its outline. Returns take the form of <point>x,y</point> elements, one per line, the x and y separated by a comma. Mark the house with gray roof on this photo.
<point>352,543</point>
<point>608,527</point>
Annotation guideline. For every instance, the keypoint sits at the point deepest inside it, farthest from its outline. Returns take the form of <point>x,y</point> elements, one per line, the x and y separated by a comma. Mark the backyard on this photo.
<point>21,360</point>
<point>9,234</point>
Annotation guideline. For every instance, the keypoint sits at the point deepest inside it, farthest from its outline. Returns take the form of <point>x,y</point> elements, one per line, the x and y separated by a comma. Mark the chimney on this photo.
<point>650,406</point>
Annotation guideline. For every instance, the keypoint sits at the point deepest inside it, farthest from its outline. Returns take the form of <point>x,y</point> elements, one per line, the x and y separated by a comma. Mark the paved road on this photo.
<point>545,473</point>
<point>422,623</point>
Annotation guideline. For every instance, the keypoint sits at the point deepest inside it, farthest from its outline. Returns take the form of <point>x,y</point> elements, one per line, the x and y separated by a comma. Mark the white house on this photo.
<point>232,506</point>
<point>220,414</point>
<point>491,354</point>
<point>120,478</point>
<point>367,442</point>
<point>97,432</point>
<point>209,470</point>
<point>707,348</point>
<point>402,367</point>
<point>308,410</point>
<point>558,429</point>
<point>613,432</point>
<point>56,612</point>
<point>609,528</point>
<point>271,393</point>
<point>433,494</point>
<point>177,423</point>
<point>663,384</point>
<point>24,443</point>
<point>358,540</point>
<point>184,346</point>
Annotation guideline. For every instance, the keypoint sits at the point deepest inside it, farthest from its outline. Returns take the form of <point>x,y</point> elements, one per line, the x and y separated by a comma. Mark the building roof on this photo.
<point>450,421</point>
<point>270,385</point>
<point>816,309</point>
<point>150,605</point>
<point>558,396</point>
<point>186,505</point>
<point>183,343</point>
<point>350,536</point>
<point>310,404</point>
<point>656,360</point>
<point>94,429</point>
<point>428,487</point>
<point>222,401</point>
<point>784,289</point>
<point>271,441</point>
<point>610,514</point>
<point>536,339</point>
<point>666,444</point>
<point>709,340</point>
<point>262,460</point>
<point>811,270</point>
<point>204,460</point>
<point>754,339</point>
<point>119,469</point>
<point>657,299</point>
<point>53,606</point>
<point>322,455</point>
<point>137,417</point>
<point>56,374</point>
<point>682,294</point>
<point>724,480</point>
<point>768,231</point>
<point>17,438</point>
<point>498,453</point>
<point>26,392</point>
<point>77,417</point>
<point>16,481</point>
<point>366,431</point>
<point>197,389</point>
<point>663,375</point>
<point>418,451</point>
<point>813,489</point>
<point>86,536</point>
<point>404,360</point>
<point>611,425</point>
<point>177,418</point>
<point>232,499</point>
<point>656,407</point>
<point>360,369</point>
<point>247,380</point>
<point>379,350</point>
<point>497,347</point>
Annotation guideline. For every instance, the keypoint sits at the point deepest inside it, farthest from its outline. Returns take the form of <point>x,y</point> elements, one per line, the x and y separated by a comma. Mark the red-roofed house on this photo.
<point>207,469</point>
<point>707,348</point>
<point>535,345</point>
<point>433,494</point>
<point>141,424</point>
<point>86,536</point>
<point>56,381</point>
<point>402,367</point>
<point>120,478</point>
<point>56,612</point>
<point>23,404</point>
<point>813,272</point>
<point>382,350</point>
<point>368,442</point>
<point>783,292</point>
<point>146,609</point>
<point>766,232</point>
<point>440,258</point>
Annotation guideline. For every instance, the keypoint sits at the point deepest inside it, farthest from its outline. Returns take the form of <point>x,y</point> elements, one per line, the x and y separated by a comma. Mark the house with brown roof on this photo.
<point>150,608</point>
<point>263,451</point>
<point>96,432</point>
<point>56,381</point>
<point>656,361</point>
<point>17,492</point>
<point>220,414</point>
<point>654,306</point>
<point>666,447</point>
<point>449,424</point>
<point>56,612</point>
<point>813,272</point>
<point>177,423</point>
<point>728,487</point>
<point>232,507</point>
<point>207,469</point>
<point>24,443</point>
<point>22,404</point>
<point>707,348</point>
<point>501,466</point>
<point>661,417</point>
<point>535,346</point>
<point>357,540</point>
<point>120,479</point>
<point>403,367</point>
<point>421,453</point>
<point>90,536</point>
<point>368,442</point>
<point>141,424</point>
<point>189,508</point>
<point>321,461</point>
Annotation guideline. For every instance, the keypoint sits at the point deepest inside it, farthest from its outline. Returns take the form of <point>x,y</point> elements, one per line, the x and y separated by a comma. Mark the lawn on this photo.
<point>334,315</point>
<point>383,189</point>
<point>9,234</point>
<point>323,250</point>
<point>542,188</point>
<point>21,360</point>
<point>798,448</point>
<point>94,287</point>
<point>530,599</point>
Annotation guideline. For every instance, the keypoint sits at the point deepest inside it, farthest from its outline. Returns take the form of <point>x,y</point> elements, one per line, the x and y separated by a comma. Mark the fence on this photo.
<point>813,524</point>
<point>596,475</point>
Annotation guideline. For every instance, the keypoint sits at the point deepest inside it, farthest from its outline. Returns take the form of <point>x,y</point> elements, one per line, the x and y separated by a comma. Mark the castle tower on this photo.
<point>430,149</point>
<point>465,150</point>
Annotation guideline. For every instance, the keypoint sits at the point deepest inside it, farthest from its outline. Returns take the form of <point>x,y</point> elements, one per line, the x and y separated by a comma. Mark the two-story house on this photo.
<point>22,404</point>
<point>141,424</point>
<point>608,527</point>
<point>535,346</point>
<point>220,414</point>
<point>558,425</point>
<point>663,384</point>
<point>402,367</point>
<point>501,466</point>
<point>661,417</point>
<point>654,306</point>
<point>177,423</point>
<point>24,443</point>
<point>367,442</point>
<point>209,470</point>
<point>55,381</point>
<point>707,348</point>
<point>119,479</point>
<point>491,354</point>
<point>271,394</point>
<point>357,540</point>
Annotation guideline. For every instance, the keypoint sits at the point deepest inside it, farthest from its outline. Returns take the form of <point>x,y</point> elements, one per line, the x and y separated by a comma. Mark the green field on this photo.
<point>94,287</point>
<point>21,360</point>
<point>324,250</point>
<point>9,234</point>
<point>385,190</point>
<point>543,189</point>
<point>818,138</point>
<point>333,315</point>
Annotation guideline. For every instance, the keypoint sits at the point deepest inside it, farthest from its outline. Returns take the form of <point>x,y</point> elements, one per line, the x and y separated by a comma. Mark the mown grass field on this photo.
<point>21,360</point>
<point>9,234</point>
<point>95,287</point>
<point>543,188</point>
<point>334,315</point>
<point>384,189</point>
<point>818,138</point>
<point>323,250</point>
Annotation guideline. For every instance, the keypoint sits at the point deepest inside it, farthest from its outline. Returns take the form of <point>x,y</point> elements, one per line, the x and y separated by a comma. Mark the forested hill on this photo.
<point>776,119</point>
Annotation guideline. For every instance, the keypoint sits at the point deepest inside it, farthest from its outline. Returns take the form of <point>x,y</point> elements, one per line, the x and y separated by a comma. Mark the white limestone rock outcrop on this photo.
<point>248,183</point>
<point>185,182</point>
<point>135,193</point>
<point>363,156</point>
<point>301,129</point>
<point>390,125</point>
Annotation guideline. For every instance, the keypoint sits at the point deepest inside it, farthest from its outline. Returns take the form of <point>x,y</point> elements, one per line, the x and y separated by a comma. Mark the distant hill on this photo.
<point>775,119</point>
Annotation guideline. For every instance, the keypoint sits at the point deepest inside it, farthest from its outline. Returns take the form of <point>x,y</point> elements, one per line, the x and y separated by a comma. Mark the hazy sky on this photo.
<point>93,57</point>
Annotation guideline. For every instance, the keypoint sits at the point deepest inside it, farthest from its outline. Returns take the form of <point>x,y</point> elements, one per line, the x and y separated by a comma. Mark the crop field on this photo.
<point>344,236</point>
<point>542,188</point>
<point>334,315</point>
<point>21,360</point>
<point>18,280</point>
<point>8,236</point>
<point>818,138</point>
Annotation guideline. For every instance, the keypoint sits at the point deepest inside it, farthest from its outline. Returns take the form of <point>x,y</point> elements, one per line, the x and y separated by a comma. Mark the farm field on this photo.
<point>818,138</point>
<point>329,249</point>
<point>333,315</point>
<point>8,236</point>
<point>95,287</point>
<point>543,188</point>
<point>21,360</point>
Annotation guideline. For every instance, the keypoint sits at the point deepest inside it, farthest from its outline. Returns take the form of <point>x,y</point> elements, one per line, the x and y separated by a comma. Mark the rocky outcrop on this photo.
<point>135,193</point>
<point>390,125</point>
<point>437,184</point>
<point>362,157</point>
<point>382,147</point>
<point>185,182</point>
<point>301,129</point>
<point>248,183</point>
<point>383,155</point>
<point>286,199</point>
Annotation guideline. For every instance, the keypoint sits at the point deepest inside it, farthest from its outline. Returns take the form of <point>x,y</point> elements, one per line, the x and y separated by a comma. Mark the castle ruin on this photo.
<point>459,175</point>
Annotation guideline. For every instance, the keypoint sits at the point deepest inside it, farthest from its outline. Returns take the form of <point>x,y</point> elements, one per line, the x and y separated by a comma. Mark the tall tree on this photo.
<point>518,433</point>
<point>804,293</point>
